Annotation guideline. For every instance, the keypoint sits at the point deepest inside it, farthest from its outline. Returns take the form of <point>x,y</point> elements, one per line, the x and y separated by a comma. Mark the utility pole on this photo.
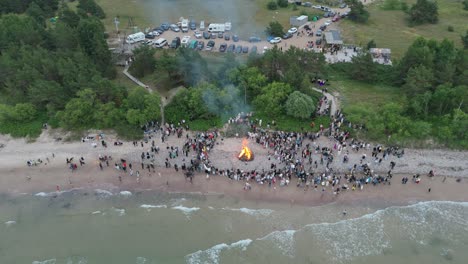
<point>116,22</point>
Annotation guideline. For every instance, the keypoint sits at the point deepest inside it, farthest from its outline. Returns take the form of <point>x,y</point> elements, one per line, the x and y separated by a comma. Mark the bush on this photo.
<point>450,29</point>
<point>424,11</point>
<point>272,5</point>
<point>282,3</point>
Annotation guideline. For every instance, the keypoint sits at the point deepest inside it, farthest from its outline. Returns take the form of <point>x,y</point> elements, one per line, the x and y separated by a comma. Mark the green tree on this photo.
<point>90,7</point>
<point>424,11</point>
<point>91,39</point>
<point>419,80</point>
<point>272,5</point>
<point>358,13</point>
<point>282,3</point>
<point>363,67</point>
<point>271,101</point>
<point>35,11</point>
<point>371,44</point>
<point>464,40</point>
<point>299,105</point>
<point>465,4</point>
<point>275,29</point>
<point>79,112</point>
<point>142,106</point>
<point>144,63</point>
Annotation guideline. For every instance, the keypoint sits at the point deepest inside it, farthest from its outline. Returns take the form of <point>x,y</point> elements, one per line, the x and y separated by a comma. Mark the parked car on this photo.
<point>197,34</point>
<point>235,38</point>
<point>165,26</point>
<point>254,39</point>
<point>345,14</point>
<point>213,35</point>
<point>292,30</point>
<point>175,28</point>
<point>318,33</point>
<point>327,23</point>
<point>159,30</point>
<point>327,14</point>
<point>185,41</point>
<point>254,50</point>
<point>343,5</point>
<point>200,45</point>
<point>175,43</point>
<point>287,36</point>
<point>306,27</point>
<point>318,42</point>
<point>238,49</point>
<point>206,35</point>
<point>227,37</point>
<point>151,35</point>
<point>220,35</point>
<point>323,27</point>
<point>223,47</point>
<point>307,4</point>
<point>210,45</point>
<point>231,48</point>
<point>193,44</point>
<point>336,18</point>
<point>192,25</point>
<point>245,49</point>
<point>275,40</point>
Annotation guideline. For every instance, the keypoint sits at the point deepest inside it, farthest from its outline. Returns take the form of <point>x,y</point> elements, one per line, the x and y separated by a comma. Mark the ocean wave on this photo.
<point>141,260</point>
<point>96,212</point>
<point>10,223</point>
<point>252,212</point>
<point>49,261</point>
<point>103,193</point>
<point>77,260</point>
<point>125,193</point>
<point>52,194</point>
<point>150,206</point>
<point>365,235</point>
<point>212,254</point>
<point>121,212</point>
<point>186,210</point>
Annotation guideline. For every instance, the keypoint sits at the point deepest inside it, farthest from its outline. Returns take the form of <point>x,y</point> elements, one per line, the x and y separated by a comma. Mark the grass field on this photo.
<point>353,92</point>
<point>390,30</point>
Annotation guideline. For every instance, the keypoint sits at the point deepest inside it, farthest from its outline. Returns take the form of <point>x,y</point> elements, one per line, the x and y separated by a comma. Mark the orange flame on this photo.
<point>246,153</point>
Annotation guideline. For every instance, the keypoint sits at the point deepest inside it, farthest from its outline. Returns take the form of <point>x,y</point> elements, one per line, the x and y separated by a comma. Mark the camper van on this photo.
<point>160,43</point>
<point>134,38</point>
<point>216,28</point>
<point>184,24</point>
<point>202,25</point>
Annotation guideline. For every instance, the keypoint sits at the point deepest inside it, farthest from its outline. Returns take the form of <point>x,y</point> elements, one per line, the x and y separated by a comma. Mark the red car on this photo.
<point>336,18</point>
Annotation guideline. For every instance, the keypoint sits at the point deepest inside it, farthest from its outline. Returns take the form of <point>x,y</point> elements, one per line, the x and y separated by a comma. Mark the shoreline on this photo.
<point>17,178</point>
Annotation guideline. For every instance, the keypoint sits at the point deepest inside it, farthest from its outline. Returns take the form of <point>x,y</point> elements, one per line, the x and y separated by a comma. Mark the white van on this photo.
<point>134,38</point>
<point>202,25</point>
<point>160,43</point>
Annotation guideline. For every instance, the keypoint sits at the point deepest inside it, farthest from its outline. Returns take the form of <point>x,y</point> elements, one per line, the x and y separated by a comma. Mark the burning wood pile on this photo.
<point>246,154</point>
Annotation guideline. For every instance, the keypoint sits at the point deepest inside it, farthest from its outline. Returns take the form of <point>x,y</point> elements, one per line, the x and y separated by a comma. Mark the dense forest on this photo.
<point>56,67</point>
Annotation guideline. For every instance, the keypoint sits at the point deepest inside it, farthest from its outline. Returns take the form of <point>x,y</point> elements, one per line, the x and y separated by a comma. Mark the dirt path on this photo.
<point>332,99</point>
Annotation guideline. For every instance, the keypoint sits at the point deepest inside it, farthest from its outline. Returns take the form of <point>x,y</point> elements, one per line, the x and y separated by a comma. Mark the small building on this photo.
<point>297,21</point>
<point>381,56</point>
<point>332,38</point>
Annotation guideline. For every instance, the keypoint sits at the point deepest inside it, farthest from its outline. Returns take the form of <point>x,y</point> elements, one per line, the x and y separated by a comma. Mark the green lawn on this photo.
<point>390,30</point>
<point>124,9</point>
<point>353,92</point>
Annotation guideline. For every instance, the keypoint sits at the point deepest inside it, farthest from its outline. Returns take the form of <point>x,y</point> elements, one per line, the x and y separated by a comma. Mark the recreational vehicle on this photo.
<point>134,38</point>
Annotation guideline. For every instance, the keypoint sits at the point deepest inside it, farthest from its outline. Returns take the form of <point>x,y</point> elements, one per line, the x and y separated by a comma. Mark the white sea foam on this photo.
<point>212,254</point>
<point>120,211</point>
<point>141,260</point>
<point>101,192</point>
<point>44,194</point>
<point>10,223</point>
<point>186,210</point>
<point>284,240</point>
<point>125,193</point>
<point>77,260</point>
<point>150,206</point>
<point>252,212</point>
<point>49,261</point>
<point>96,212</point>
<point>365,235</point>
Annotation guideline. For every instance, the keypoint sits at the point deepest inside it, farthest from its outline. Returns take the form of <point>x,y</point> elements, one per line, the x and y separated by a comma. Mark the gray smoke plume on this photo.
<point>225,102</point>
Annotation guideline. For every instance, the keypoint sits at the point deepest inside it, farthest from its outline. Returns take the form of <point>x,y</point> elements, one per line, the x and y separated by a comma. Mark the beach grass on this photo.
<point>389,29</point>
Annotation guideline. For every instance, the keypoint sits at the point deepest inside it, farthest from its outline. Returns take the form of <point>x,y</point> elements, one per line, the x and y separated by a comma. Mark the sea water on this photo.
<point>98,226</point>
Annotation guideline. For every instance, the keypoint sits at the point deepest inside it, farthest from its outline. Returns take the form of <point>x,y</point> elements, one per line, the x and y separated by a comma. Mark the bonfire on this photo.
<point>246,154</point>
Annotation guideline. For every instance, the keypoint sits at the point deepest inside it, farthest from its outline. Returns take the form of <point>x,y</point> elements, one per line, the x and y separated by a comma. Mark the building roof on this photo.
<point>333,37</point>
<point>380,51</point>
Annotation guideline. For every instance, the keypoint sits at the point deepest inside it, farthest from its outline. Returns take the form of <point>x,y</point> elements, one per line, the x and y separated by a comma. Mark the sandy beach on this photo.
<point>16,177</point>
